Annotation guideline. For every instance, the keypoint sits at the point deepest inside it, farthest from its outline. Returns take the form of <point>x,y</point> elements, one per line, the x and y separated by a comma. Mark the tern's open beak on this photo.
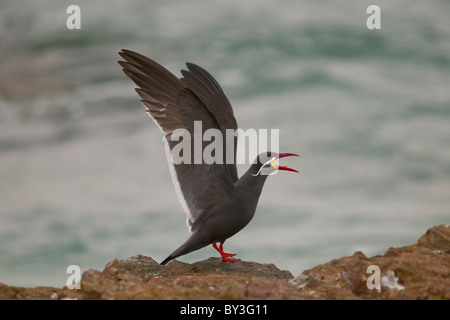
<point>282,155</point>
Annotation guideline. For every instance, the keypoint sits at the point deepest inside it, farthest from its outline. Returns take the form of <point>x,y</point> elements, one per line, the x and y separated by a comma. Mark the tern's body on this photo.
<point>226,219</point>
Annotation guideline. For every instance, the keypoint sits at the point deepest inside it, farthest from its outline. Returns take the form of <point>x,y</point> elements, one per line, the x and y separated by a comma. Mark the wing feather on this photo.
<point>174,104</point>
<point>206,88</point>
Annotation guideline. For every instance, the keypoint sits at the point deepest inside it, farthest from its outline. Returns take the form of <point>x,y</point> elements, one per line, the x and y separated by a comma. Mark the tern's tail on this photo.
<point>166,260</point>
<point>193,243</point>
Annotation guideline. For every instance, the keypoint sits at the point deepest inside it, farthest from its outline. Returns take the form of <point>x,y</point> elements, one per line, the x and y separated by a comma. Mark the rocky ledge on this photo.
<point>418,271</point>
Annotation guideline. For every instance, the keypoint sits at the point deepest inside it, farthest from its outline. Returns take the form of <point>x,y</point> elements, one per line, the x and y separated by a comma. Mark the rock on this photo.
<point>141,277</point>
<point>147,268</point>
<point>20,293</point>
<point>437,238</point>
<point>418,271</point>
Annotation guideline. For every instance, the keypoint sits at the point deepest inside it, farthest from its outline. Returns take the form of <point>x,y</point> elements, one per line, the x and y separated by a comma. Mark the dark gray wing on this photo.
<point>206,88</point>
<point>172,105</point>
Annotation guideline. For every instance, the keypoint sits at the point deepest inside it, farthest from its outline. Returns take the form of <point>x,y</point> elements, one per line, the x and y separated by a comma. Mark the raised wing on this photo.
<point>206,88</point>
<point>173,105</point>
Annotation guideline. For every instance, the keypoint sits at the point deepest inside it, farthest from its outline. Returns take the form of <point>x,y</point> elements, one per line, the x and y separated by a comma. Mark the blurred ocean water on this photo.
<point>83,175</point>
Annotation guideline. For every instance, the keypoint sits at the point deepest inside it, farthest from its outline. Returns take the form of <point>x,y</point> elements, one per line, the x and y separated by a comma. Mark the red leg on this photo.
<point>225,256</point>
<point>224,253</point>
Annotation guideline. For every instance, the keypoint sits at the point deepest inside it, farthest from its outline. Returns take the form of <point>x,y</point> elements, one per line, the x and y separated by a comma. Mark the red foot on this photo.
<point>225,256</point>
<point>225,259</point>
